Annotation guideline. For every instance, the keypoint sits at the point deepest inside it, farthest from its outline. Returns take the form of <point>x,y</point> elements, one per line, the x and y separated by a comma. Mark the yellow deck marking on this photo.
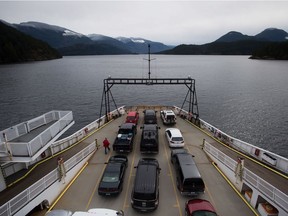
<point>130,175</point>
<point>67,187</point>
<point>235,189</point>
<point>97,183</point>
<point>173,183</point>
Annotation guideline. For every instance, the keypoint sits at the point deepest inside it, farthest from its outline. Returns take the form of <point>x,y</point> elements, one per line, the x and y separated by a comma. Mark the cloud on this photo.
<point>170,22</point>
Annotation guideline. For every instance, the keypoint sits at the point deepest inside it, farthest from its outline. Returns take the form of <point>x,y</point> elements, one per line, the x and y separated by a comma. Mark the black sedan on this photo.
<point>112,179</point>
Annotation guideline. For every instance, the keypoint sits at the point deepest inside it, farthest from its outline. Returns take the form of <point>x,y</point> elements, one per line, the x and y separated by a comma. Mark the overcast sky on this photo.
<point>169,22</point>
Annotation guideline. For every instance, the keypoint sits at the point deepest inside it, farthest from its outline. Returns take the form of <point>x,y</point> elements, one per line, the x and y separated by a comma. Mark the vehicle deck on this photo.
<point>82,195</point>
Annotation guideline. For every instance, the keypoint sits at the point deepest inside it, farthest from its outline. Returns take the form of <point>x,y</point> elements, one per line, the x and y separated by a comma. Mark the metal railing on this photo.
<point>78,135</point>
<point>24,149</point>
<point>261,185</point>
<point>275,160</point>
<point>22,199</point>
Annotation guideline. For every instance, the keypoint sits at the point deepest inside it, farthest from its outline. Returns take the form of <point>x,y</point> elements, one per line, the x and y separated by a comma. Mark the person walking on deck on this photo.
<point>106,144</point>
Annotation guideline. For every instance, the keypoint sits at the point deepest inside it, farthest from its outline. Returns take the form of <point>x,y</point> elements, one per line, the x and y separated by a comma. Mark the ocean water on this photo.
<point>245,98</point>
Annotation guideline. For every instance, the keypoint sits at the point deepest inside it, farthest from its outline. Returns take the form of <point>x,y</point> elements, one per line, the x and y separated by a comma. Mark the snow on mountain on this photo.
<point>132,39</point>
<point>138,40</point>
<point>44,26</point>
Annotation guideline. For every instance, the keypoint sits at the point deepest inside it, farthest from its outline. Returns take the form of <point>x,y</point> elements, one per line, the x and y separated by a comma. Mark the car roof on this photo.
<point>150,112</point>
<point>168,112</point>
<point>200,204</point>
<point>132,113</point>
<point>175,132</point>
<point>145,178</point>
<point>152,127</point>
<point>188,166</point>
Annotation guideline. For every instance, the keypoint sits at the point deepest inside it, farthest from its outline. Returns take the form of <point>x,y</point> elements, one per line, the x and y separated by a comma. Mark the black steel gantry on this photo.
<point>190,98</point>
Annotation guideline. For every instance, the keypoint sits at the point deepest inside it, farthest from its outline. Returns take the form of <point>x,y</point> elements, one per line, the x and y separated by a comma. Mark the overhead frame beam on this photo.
<point>190,98</point>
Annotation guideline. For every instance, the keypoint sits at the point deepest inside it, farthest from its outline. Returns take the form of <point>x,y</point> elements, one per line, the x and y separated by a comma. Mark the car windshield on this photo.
<point>111,177</point>
<point>177,139</point>
<point>203,213</point>
<point>130,118</point>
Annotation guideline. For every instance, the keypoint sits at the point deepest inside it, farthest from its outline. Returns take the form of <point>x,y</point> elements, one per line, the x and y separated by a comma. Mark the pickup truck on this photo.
<point>168,117</point>
<point>124,139</point>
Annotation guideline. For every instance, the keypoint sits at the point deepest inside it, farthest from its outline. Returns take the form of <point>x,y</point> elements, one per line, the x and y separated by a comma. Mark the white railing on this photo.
<point>261,185</point>
<point>24,149</point>
<point>279,162</point>
<point>78,135</point>
<point>20,200</point>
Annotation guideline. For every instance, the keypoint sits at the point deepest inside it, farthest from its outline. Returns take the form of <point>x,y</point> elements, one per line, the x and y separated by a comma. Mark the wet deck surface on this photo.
<point>82,195</point>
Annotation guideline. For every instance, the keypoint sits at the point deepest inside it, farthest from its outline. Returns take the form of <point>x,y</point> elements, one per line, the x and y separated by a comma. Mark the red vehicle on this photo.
<point>199,207</point>
<point>132,117</point>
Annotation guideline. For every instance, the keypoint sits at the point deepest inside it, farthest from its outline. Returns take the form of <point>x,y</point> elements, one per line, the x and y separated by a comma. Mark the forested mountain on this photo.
<point>16,46</point>
<point>236,43</point>
<point>69,42</point>
<point>276,50</point>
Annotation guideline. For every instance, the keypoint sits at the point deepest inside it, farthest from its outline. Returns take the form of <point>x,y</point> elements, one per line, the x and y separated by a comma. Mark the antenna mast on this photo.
<point>149,60</point>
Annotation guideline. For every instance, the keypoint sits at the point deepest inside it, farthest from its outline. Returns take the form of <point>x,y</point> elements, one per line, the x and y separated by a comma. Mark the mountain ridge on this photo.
<point>69,42</point>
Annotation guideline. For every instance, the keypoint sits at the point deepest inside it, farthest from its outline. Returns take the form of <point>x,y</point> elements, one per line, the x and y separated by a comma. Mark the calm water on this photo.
<point>244,98</point>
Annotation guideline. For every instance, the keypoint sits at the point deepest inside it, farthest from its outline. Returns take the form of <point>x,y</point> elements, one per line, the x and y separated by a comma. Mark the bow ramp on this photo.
<point>27,141</point>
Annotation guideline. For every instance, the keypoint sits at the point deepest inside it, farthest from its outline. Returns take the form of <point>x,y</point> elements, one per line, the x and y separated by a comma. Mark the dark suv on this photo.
<point>150,116</point>
<point>149,139</point>
<point>145,193</point>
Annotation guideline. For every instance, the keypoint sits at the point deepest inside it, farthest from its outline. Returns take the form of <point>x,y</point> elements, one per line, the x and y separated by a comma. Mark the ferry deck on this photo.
<point>81,193</point>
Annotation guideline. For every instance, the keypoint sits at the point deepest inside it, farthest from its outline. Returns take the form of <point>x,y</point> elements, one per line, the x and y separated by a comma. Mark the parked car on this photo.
<point>150,116</point>
<point>145,193</point>
<point>174,137</point>
<point>168,117</point>
<point>112,179</point>
<point>132,117</point>
<point>199,207</point>
<point>149,139</point>
<point>125,137</point>
<point>188,178</point>
<point>90,212</point>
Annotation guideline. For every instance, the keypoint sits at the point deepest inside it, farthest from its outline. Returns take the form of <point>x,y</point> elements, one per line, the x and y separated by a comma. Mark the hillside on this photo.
<point>16,47</point>
<point>236,43</point>
<point>273,51</point>
<point>69,42</point>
